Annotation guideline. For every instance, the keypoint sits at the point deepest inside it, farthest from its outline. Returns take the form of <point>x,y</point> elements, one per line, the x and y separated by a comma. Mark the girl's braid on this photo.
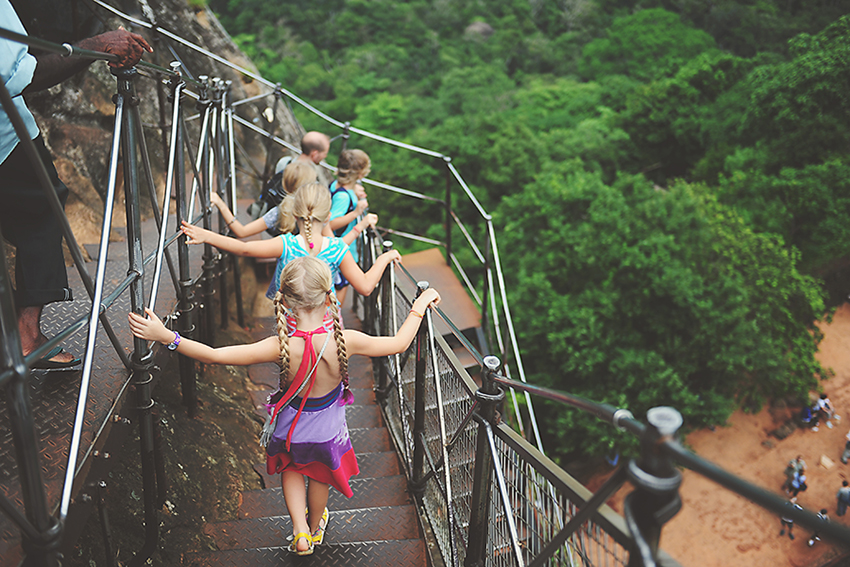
<point>341,353</point>
<point>308,232</point>
<point>280,316</point>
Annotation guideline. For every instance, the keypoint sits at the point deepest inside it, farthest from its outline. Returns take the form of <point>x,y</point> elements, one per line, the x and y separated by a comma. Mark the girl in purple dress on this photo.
<point>306,435</point>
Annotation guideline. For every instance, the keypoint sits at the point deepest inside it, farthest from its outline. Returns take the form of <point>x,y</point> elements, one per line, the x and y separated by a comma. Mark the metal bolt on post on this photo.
<point>655,499</point>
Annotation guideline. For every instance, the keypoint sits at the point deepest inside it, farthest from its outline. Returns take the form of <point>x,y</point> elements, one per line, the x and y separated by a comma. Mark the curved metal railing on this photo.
<point>494,499</point>
<point>494,304</point>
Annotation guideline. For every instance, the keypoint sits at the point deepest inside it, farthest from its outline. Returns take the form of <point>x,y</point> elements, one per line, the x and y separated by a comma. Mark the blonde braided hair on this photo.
<point>341,352</point>
<point>308,233</point>
<point>280,319</point>
<point>305,284</point>
<point>311,202</point>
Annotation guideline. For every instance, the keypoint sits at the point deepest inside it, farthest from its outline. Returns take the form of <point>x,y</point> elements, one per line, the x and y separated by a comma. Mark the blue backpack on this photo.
<point>334,189</point>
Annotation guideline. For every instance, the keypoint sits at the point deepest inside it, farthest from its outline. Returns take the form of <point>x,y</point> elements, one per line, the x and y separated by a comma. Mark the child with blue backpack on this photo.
<point>348,203</point>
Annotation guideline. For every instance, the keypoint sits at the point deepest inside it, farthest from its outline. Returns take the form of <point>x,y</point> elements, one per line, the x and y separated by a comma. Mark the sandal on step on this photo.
<point>45,362</point>
<point>319,534</point>
<point>293,547</point>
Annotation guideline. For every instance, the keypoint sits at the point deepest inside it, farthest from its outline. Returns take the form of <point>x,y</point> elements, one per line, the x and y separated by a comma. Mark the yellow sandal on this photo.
<point>319,534</point>
<point>293,547</point>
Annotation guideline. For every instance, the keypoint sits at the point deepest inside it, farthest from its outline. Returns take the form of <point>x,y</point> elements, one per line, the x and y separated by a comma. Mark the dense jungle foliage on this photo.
<point>670,178</point>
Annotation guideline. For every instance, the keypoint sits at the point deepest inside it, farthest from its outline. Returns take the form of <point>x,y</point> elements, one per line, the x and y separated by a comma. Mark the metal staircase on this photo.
<point>378,526</point>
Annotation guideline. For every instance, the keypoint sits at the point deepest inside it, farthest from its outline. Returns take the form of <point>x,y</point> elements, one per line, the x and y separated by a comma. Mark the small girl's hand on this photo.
<point>196,234</point>
<point>392,256</point>
<point>151,328</point>
<point>216,200</point>
<point>370,220</point>
<point>362,205</point>
<point>359,191</point>
<point>429,297</point>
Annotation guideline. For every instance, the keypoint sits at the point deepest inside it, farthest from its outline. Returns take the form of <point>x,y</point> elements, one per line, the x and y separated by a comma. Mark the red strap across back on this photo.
<point>308,360</point>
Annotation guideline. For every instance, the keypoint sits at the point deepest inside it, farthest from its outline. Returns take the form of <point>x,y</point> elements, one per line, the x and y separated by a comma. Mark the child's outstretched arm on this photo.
<point>361,343</point>
<point>152,329</point>
<point>271,248</point>
<point>369,220</point>
<point>240,230</point>
<point>365,283</point>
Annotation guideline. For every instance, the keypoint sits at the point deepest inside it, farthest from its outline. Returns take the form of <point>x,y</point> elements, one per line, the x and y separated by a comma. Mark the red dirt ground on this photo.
<point>717,528</point>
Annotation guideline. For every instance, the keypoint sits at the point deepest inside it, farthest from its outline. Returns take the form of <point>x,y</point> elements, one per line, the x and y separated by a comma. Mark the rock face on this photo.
<point>76,118</point>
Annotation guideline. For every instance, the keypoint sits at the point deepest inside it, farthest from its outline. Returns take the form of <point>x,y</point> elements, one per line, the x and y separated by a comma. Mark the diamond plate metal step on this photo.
<point>387,491</point>
<point>54,394</point>
<point>344,526</point>
<point>400,553</point>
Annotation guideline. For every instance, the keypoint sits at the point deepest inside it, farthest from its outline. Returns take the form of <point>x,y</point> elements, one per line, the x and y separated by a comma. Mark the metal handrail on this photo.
<point>452,170</point>
<point>623,420</point>
<point>523,485</point>
<point>127,125</point>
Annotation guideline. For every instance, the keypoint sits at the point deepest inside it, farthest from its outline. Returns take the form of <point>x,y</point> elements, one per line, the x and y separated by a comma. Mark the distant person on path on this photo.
<point>824,517</point>
<point>798,484</point>
<point>843,498</point>
<point>25,215</point>
<point>846,454</point>
<point>788,521</point>
<point>314,149</point>
<point>796,467</point>
<point>348,202</point>
<point>825,409</point>
<point>306,434</point>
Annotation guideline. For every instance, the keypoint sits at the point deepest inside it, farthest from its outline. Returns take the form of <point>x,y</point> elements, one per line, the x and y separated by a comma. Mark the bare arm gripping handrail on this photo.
<point>65,50</point>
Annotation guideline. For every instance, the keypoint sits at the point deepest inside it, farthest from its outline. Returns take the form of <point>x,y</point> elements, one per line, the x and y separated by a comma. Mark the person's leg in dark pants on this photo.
<point>28,223</point>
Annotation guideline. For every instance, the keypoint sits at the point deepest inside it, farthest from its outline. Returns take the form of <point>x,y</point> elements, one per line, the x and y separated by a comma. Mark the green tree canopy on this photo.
<point>638,297</point>
<point>644,45</point>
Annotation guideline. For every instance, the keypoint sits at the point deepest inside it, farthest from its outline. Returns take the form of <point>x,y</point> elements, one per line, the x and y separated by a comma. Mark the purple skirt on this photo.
<point>320,447</point>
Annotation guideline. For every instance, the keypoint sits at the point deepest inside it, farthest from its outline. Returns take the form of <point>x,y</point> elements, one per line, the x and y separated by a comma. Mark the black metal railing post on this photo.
<point>105,524</point>
<point>367,259</point>
<point>384,328</point>
<point>655,499</point>
<point>142,358</point>
<point>22,427</point>
<point>217,141</point>
<point>447,160</point>
<point>186,300</point>
<point>489,397</point>
<point>208,327</point>
<point>231,200</point>
<point>421,350</point>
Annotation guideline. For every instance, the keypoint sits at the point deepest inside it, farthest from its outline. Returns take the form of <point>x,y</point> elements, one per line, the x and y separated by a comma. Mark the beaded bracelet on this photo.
<point>233,220</point>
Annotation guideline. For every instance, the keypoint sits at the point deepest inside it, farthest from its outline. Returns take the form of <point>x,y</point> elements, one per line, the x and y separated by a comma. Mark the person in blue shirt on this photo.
<point>348,203</point>
<point>25,216</point>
